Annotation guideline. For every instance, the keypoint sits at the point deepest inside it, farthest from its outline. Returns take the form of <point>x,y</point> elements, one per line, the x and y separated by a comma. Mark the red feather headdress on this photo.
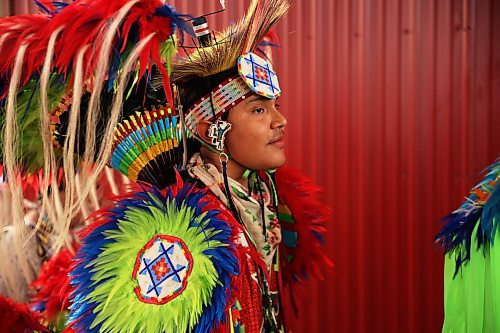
<point>82,23</point>
<point>87,48</point>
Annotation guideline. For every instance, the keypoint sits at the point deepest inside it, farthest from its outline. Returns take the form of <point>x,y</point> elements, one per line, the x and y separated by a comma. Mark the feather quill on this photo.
<point>234,41</point>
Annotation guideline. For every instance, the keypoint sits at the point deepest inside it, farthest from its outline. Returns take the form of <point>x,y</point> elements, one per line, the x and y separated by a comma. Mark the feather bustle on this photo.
<point>71,28</point>
<point>90,314</point>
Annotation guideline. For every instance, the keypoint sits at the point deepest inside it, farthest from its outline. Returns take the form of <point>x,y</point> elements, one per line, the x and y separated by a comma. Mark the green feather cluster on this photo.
<point>29,144</point>
<point>119,309</point>
<point>472,297</point>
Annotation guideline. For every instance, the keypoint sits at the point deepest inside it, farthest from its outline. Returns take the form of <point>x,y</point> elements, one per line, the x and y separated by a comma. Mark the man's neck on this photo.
<point>234,170</point>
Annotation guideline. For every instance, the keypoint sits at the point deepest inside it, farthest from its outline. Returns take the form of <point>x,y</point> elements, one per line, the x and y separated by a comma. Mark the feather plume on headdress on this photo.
<point>231,43</point>
<point>86,47</point>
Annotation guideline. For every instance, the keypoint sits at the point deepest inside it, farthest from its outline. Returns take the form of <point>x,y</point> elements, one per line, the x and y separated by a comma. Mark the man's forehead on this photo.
<point>255,98</point>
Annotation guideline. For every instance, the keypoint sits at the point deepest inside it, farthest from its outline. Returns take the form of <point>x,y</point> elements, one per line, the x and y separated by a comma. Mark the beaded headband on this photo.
<point>210,107</point>
<point>256,75</point>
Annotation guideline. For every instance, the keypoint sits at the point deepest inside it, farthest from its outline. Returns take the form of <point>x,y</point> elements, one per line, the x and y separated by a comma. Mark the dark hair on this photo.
<point>194,89</point>
<point>145,97</point>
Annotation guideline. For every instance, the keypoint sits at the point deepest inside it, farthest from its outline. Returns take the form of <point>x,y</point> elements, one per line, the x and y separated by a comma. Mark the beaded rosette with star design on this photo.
<point>153,255</point>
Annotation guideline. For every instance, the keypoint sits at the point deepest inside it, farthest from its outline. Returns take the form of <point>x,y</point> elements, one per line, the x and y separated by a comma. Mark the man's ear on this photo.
<point>202,131</point>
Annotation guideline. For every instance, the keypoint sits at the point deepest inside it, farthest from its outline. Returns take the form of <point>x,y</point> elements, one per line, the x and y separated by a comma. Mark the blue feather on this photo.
<point>491,216</point>
<point>59,5</point>
<point>114,66</point>
<point>225,261</point>
<point>456,234</point>
<point>40,306</point>
<point>178,20</point>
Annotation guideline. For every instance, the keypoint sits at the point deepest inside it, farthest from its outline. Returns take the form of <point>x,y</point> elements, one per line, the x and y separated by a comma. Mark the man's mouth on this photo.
<point>278,141</point>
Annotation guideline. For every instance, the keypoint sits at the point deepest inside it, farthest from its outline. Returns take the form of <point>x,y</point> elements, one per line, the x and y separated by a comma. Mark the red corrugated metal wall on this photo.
<point>391,107</point>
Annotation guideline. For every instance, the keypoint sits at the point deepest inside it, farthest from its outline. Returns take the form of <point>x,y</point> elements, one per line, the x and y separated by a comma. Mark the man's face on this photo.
<point>256,140</point>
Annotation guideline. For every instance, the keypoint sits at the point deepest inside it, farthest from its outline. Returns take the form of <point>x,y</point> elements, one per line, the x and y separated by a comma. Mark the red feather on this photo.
<point>272,37</point>
<point>83,23</point>
<point>14,31</point>
<point>18,318</point>
<point>30,183</point>
<point>52,285</point>
<point>310,216</point>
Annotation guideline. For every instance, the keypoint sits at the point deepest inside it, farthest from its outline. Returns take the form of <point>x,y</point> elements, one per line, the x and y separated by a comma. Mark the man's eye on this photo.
<point>259,110</point>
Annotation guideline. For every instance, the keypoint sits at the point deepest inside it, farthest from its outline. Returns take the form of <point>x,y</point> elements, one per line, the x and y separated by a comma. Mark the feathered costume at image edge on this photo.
<point>472,262</point>
<point>88,47</point>
<point>56,70</point>
<point>168,255</point>
<point>19,318</point>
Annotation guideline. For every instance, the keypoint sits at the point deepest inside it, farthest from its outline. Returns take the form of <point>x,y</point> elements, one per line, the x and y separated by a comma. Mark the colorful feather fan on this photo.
<point>146,147</point>
<point>156,261</point>
<point>472,260</point>
<point>72,36</point>
<point>83,23</point>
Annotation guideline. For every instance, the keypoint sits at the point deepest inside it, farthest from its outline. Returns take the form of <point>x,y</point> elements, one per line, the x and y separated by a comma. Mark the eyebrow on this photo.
<point>257,98</point>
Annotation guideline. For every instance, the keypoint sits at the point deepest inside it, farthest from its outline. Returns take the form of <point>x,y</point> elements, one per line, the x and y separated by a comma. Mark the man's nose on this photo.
<point>279,120</point>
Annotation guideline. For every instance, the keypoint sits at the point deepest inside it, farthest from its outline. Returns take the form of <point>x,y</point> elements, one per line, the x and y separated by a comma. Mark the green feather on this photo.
<point>30,146</point>
<point>117,300</point>
<point>494,284</point>
<point>168,50</point>
<point>472,297</point>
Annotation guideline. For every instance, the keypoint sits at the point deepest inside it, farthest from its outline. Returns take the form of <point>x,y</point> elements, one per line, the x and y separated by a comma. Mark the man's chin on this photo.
<point>279,163</point>
<point>266,164</point>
